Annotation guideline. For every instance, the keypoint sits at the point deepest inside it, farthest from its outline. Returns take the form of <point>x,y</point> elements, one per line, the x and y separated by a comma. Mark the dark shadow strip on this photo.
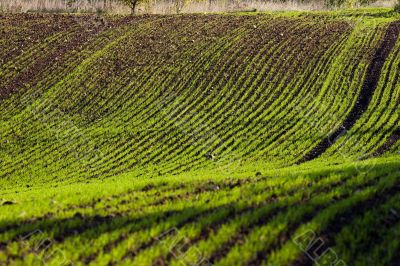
<point>388,144</point>
<point>366,93</point>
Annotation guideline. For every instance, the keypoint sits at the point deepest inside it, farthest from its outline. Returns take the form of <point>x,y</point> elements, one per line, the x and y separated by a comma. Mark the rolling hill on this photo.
<point>204,139</point>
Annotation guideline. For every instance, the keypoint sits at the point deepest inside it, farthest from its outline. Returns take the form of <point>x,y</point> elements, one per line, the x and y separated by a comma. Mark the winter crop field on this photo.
<point>200,139</point>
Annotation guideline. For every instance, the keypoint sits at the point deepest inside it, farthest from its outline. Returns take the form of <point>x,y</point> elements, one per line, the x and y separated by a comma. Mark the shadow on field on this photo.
<point>89,227</point>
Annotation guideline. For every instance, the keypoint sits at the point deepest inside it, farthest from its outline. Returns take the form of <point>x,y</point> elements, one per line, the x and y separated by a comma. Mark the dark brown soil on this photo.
<point>366,93</point>
<point>393,138</point>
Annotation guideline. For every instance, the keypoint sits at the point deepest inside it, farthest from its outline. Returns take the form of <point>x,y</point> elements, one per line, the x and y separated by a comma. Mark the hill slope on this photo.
<point>238,132</point>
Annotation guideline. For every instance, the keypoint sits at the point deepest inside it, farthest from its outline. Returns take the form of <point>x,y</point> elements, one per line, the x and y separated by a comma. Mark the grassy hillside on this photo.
<point>223,139</point>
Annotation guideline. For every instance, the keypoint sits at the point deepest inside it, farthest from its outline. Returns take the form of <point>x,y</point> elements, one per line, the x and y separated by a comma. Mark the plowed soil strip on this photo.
<point>389,143</point>
<point>366,93</point>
